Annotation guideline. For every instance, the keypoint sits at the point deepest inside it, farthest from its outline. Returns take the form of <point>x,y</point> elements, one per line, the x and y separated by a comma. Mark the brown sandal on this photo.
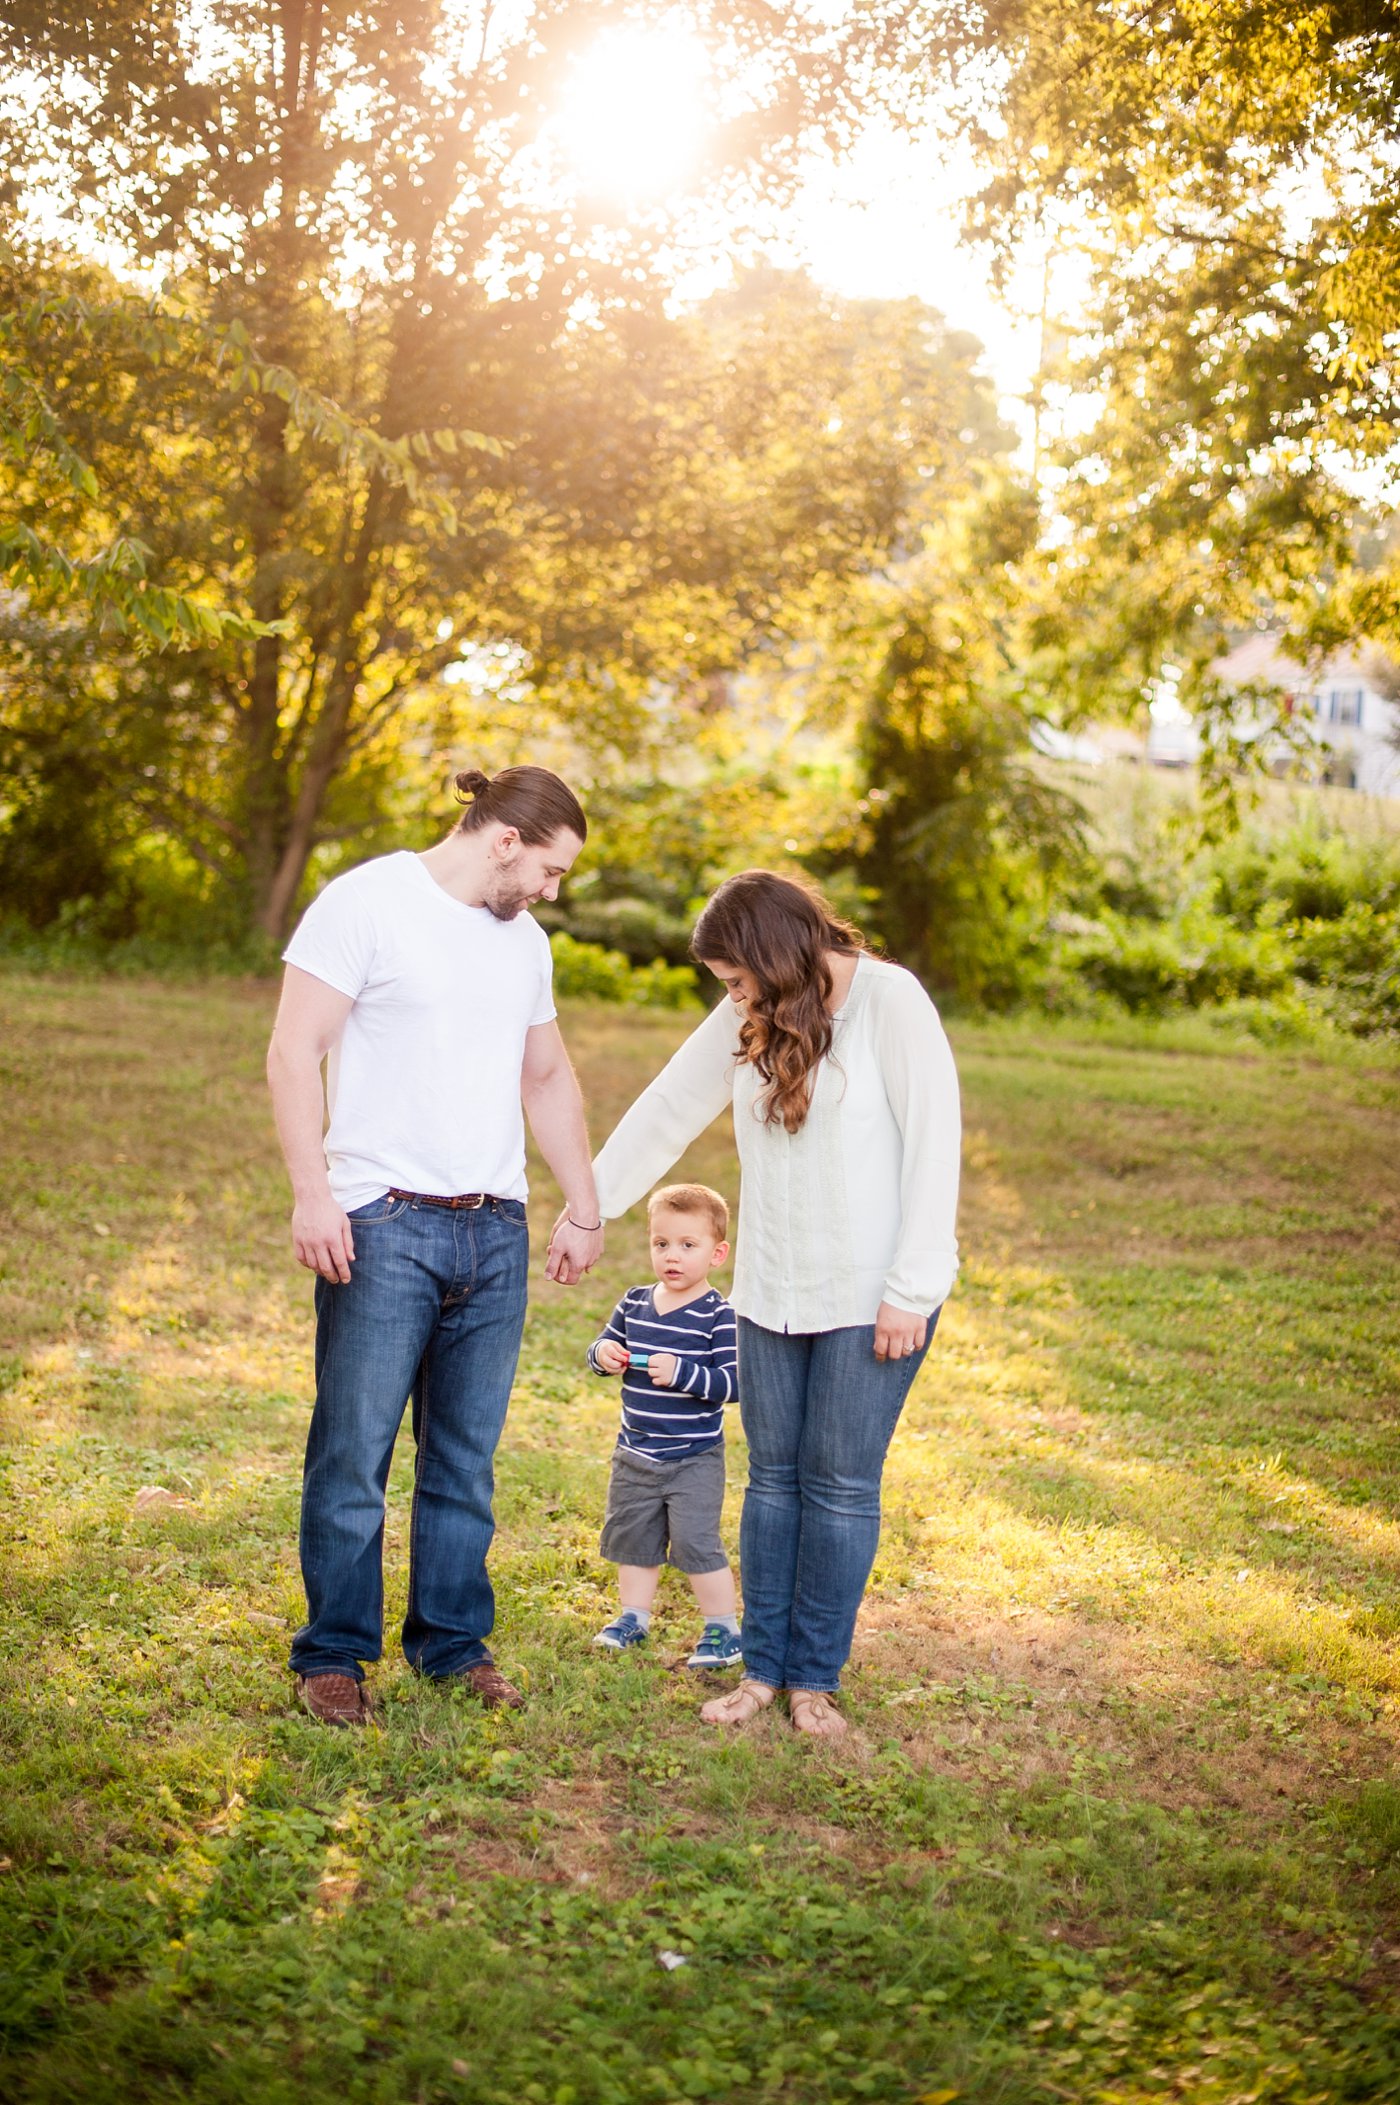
<point>739,1705</point>
<point>812,1710</point>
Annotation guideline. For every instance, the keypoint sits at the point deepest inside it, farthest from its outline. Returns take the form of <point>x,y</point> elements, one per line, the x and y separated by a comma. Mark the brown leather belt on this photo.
<point>465,1201</point>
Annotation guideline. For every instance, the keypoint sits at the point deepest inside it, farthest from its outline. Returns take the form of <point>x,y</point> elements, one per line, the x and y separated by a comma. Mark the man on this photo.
<point>429,987</point>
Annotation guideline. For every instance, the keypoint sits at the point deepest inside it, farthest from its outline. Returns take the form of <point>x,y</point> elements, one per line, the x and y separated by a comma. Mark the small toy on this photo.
<point>639,1359</point>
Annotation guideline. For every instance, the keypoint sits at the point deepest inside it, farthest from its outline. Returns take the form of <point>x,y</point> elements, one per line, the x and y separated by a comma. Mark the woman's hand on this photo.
<point>898,1331</point>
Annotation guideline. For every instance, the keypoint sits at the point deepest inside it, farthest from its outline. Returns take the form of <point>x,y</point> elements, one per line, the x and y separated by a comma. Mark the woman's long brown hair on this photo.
<point>778,931</point>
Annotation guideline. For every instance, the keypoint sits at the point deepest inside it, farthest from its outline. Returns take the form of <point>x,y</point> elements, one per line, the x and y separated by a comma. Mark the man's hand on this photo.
<point>612,1357</point>
<point>661,1366</point>
<point>554,1107</point>
<point>572,1251</point>
<point>322,1239</point>
<point>898,1331</point>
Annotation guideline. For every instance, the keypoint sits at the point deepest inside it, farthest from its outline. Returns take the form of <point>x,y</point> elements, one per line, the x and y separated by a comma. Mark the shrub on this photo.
<point>639,928</point>
<point>606,975</point>
<point>1194,961</point>
<point>75,941</point>
<point>1355,958</point>
<point>1301,875</point>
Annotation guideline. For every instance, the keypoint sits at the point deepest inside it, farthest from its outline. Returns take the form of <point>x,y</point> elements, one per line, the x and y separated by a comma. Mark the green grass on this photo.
<point>1119,1819</point>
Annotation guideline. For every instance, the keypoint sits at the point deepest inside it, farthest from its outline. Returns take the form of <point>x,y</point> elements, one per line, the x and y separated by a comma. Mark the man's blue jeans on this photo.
<point>819,1411</point>
<point>434,1309</point>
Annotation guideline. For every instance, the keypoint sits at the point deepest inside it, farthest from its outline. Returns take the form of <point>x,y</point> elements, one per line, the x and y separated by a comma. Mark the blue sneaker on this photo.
<point>718,1647</point>
<point>622,1631</point>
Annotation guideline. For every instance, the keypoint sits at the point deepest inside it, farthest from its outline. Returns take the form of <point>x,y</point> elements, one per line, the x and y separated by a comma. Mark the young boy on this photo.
<point>674,1344</point>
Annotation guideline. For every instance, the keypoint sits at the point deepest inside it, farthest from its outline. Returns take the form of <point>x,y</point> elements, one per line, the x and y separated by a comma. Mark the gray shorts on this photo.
<point>665,1512</point>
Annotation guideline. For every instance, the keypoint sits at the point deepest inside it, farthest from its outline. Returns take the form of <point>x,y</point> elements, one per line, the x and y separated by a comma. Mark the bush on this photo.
<point>75,941</point>
<point>1194,961</point>
<point>639,928</point>
<point>1355,958</point>
<point>1304,874</point>
<point>1285,933</point>
<point>586,969</point>
<point>1290,1017</point>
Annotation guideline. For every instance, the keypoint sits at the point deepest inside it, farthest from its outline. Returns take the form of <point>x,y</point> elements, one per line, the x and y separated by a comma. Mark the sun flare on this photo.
<point>632,119</point>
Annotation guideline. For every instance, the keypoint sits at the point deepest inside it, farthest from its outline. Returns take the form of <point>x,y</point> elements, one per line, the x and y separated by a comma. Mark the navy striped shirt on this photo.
<point>672,1424</point>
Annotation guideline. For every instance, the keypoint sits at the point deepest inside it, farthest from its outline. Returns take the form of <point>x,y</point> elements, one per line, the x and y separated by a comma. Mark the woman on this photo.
<point>845,1104</point>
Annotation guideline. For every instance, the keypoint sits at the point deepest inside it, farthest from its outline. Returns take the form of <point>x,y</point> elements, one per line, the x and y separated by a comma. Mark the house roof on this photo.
<point>1258,657</point>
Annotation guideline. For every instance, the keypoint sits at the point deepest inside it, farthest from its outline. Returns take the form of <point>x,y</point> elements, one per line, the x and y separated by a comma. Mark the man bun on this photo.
<point>531,799</point>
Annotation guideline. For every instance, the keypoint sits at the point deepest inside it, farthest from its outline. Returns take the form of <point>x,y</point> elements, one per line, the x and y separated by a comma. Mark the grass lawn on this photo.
<point>1119,1820</point>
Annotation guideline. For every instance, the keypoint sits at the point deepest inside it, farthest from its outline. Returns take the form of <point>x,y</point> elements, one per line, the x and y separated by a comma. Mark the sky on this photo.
<point>883,224</point>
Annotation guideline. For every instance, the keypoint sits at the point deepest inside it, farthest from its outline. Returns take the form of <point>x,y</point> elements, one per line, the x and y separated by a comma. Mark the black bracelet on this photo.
<point>579,1225</point>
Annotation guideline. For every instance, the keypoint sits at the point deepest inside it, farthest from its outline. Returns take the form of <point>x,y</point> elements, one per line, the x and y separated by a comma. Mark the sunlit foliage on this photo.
<point>361,213</point>
<point>1226,175</point>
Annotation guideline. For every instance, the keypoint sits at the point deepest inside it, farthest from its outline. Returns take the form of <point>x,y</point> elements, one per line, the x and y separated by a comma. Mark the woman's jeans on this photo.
<point>434,1308</point>
<point>819,1411</point>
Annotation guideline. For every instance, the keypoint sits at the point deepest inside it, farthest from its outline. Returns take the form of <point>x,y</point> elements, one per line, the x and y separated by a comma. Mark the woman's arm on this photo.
<point>694,1086</point>
<point>921,1083</point>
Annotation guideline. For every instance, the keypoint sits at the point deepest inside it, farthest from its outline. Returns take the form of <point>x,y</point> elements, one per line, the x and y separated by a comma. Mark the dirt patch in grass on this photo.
<point>484,1857</point>
<point>570,1832</point>
<point>1026,1699</point>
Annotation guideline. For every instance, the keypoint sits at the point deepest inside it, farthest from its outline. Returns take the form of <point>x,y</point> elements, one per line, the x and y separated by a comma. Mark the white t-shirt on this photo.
<point>424,1086</point>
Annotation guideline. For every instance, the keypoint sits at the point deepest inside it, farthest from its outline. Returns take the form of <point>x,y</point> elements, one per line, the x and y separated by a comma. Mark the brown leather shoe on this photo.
<point>490,1686</point>
<point>334,1699</point>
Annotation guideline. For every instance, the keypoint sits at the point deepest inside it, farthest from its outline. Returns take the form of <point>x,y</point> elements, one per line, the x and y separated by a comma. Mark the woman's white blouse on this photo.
<point>855,1208</point>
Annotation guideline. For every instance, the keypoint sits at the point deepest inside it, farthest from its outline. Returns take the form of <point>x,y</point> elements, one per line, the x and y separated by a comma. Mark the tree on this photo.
<point>1225,168</point>
<point>959,839</point>
<point>54,479</point>
<point>357,201</point>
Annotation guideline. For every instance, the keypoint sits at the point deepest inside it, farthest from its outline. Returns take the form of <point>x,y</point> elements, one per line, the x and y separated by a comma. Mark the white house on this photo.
<point>1350,703</point>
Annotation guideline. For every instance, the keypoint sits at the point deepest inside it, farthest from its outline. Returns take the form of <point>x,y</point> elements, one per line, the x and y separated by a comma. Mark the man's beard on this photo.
<point>505,900</point>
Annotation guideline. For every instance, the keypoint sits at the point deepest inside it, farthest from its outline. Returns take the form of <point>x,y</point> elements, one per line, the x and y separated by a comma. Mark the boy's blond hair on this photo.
<point>693,1198</point>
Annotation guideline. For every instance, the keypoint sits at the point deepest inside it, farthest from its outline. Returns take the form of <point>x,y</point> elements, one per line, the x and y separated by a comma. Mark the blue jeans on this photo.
<point>819,1411</point>
<point>434,1308</point>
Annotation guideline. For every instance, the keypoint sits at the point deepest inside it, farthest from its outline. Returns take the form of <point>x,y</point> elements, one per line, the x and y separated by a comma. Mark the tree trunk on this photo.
<point>275,905</point>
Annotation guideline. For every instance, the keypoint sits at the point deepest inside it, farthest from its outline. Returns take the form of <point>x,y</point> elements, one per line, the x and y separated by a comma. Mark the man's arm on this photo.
<point>310,1019</point>
<point>554,1106</point>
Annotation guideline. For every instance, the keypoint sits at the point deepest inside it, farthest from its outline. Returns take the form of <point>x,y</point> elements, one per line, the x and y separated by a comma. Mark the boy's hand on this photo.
<point>612,1357</point>
<point>662,1369</point>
